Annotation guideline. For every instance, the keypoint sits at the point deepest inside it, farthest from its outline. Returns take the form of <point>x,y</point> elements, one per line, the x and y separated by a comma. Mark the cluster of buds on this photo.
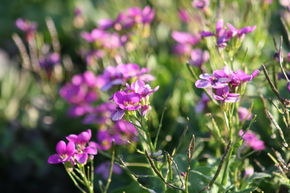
<point>28,27</point>
<point>224,83</point>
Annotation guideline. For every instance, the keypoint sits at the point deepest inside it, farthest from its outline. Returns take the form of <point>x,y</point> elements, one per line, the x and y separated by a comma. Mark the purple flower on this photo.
<point>81,90</point>
<point>244,114</point>
<point>223,34</point>
<point>104,140</point>
<point>249,171</point>
<point>182,49</point>
<point>28,27</point>
<point>95,35</point>
<point>105,24</point>
<point>141,88</point>
<point>185,38</point>
<point>127,101</point>
<point>47,63</point>
<point>123,72</point>
<point>202,103</point>
<point>104,168</point>
<point>288,87</point>
<point>183,15</point>
<point>101,114</point>
<point>82,150</point>
<point>198,57</point>
<point>148,15</point>
<point>223,94</point>
<point>251,140</point>
<point>200,4</point>
<point>64,153</point>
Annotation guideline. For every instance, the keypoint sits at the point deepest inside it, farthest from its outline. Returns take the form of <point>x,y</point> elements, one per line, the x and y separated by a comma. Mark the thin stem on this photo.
<point>156,171</point>
<point>110,170</point>
<point>74,181</point>
<point>208,187</point>
<point>159,128</point>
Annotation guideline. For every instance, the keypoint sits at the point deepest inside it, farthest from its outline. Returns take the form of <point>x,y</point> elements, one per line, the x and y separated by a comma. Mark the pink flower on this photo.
<point>252,141</point>
<point>64,153</point>
<point>244,114</point>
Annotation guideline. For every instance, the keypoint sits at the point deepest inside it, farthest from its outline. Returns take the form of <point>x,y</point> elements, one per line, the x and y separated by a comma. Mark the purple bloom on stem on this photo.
<point>249,171</point>
<point>202,104</point>
<point>47,63</point>
<point>244,114</point>
<point>29,28</point>
<point>182,49</point>
<point>127,101</point>
<point>223,34</point>
<point>141,88</point>
<point>147,15</point>
<point>104,168</point>
<point>200,4</point>
<point>104,139</point>
<point>82,150</point>
<point>251,140</point>
<point>64,153</point>
<point>183,15</point>
<point>198,57</point>
<point>105,24</point>
<point>185,38</point>
<point>223,94</point>
<point>100,114</point>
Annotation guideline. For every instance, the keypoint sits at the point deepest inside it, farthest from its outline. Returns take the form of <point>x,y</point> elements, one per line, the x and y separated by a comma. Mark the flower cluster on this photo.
<point>122,73</point>
<point>28,27</point>
<point>78,149</point>
<point>133,98</point>
<point>112,34</point>
<point>224,35</point>
<point>252,140</point>
<point>81,92</point>
<point>224,83</point>
<point>121,132</point>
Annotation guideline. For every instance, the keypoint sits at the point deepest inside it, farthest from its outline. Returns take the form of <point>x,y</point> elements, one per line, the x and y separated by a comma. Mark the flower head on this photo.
<point>64,153</point>
<point>28,27</point>
<point>252,140</point>
<point>104,168</point>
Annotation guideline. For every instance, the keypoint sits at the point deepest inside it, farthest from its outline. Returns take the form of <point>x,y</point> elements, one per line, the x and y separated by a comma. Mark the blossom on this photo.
<point>141,88</point>
<point>104,140</point>
<point>224,35</point>
<point>185,38</point>
<point>249,171</point>
<point>200,4</point>
<point>127,101</point>
<point>117,75</point>
<point>82,150</point>
<point>198,57</point>
<point>28,27</point>
<point>82,89</point>
<point>183,15</point>
<point>47,63</point>
<point>64,153</point>
<point>104,168</point>
<point>100,114</point>
<point>244,114</point>
<point>202,103</point>
<point>223,94</point>
<point>223,82</point>
<point>252,141</point>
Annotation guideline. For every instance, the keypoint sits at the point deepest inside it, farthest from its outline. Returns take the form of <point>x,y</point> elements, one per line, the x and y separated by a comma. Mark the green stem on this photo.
<point>110,170</point>
<point>74,181</point>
